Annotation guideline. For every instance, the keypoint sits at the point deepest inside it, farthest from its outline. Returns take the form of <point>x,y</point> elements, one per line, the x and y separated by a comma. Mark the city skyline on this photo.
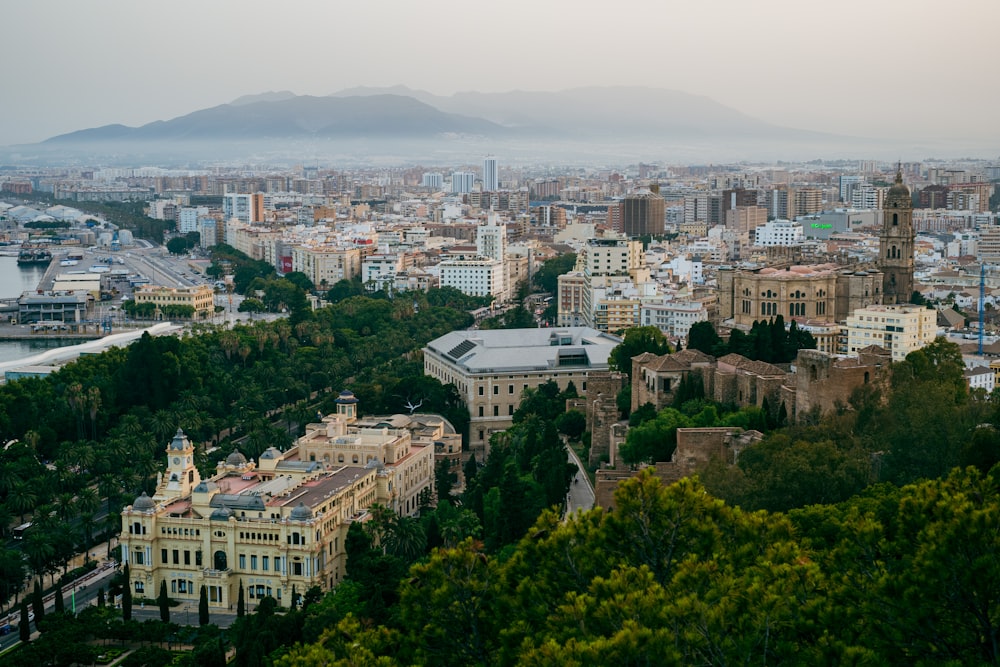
<point>860,69</point>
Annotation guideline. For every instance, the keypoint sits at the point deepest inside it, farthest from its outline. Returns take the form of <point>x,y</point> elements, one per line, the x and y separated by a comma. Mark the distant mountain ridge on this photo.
<point>297,117</point>
<point>594,113</point>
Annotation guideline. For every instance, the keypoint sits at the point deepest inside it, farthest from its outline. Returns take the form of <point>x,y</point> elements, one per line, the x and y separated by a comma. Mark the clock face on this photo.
<point>177,461</point>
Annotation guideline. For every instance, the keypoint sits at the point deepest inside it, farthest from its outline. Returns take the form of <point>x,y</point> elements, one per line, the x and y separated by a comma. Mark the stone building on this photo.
<point>824,381</point>
<point>896,243</point>
<point>276,525</point>
<point>696,448</point>
<point>819,292</point>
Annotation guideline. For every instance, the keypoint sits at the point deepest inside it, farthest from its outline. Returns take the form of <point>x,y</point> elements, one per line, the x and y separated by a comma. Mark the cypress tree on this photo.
<point>127,595</point>
<point>164,602</point>
<point>295,598</point>
<point>60,606</point>
<point>241,605</point>
<point>24,627</point>
<point>100,596</point>
<point>203,607</point>
<point>37,602</point>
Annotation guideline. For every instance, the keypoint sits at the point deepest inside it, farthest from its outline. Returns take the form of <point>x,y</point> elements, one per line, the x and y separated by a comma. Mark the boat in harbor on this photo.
<point>33,256</point>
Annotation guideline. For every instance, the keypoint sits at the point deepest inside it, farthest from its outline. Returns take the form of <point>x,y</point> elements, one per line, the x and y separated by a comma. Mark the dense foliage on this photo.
<point>673,576</point>
<point>768,340</point>
<point>101,422</point>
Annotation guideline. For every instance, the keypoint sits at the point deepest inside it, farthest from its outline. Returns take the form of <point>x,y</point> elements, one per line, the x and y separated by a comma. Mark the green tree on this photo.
<point>178,245</point>
<point>37,602</point>
<point>241,608</point>
<point>24,625</point>
<point>126,594</point>
<point>451,604</point>
<point>635,342</point>
<point>654,440</point>
<point>547,276</point>
<point>163,602</point>
<point>703,337</point>
<point>444,480</point>
<point>203,618</point>
<point>572,424</point>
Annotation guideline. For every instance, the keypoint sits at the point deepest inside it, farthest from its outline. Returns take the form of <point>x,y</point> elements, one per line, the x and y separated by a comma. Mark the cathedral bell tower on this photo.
<point>896,244</point>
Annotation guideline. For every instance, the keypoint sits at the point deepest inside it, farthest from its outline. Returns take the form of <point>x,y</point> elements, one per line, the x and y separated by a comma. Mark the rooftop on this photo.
<point>483,351</point>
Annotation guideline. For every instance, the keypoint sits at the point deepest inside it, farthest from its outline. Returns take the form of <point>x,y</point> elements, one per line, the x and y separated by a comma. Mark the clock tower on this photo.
<point>181,475</point>
<point>896,244</point>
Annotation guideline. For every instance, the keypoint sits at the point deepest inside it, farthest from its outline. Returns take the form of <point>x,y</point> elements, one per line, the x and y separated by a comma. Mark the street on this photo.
<point>581,493</point>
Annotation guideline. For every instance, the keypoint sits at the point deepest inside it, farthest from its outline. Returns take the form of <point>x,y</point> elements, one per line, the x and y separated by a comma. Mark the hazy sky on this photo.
<point>895,68</point>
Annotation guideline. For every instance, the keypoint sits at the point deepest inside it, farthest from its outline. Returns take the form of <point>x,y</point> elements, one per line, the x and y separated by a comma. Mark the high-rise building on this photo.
<point>491,177</point>
<point>808,201</point>
<point>643,213</point>
<point>896,244</point>
<point>848,182</point>
<point>462,182</point>
<point>491,239</point>
<point>245,208</point>
<point>431,179</point>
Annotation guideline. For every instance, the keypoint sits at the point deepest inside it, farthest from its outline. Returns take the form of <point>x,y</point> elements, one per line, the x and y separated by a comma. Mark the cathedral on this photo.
<point>896,244</point>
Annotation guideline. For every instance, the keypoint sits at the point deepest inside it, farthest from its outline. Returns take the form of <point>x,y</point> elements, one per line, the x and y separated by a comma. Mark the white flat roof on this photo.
<point>520,350</point>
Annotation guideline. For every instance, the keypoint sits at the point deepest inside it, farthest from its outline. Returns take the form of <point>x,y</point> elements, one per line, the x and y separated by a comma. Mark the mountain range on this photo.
<point>580,113</point>
<point>400,123</point>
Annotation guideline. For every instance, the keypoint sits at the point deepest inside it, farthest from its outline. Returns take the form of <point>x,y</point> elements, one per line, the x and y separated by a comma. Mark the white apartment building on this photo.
<point>187,219</point>
<point>244,207</point>
<point>462,182</point>
<point>899,329</point>
<point>673,318</point>
<point>380,269</point>
<point>779,233</point>
<point>478,276</point>
<point>491,177</point>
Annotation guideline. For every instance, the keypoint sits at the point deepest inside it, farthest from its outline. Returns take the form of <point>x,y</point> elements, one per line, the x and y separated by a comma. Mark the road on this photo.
<point>82,592</point>
<point>581,493</point>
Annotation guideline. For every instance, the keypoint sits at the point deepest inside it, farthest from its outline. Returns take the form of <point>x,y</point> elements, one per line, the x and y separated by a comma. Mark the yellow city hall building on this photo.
<point>275,525</point>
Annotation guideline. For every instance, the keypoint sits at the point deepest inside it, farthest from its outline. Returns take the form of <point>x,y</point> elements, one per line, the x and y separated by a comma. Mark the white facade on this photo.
<point>491,239</point>
<point>432,180</point>
<point>491,177</point>
<point>899,329</point>
<point>476,277</point>
<point>187,219</point>
<point>980,377</point>
<point>380,269</point>
<point>778,233</point>
<point>244,207</point>
<point>673,318</point>
<point>462,182</point>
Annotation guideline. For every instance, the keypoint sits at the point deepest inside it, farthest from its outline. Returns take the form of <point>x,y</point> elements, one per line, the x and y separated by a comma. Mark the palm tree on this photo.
<point>406,539</point>
<point>22,498</point>
<point>93,405</point>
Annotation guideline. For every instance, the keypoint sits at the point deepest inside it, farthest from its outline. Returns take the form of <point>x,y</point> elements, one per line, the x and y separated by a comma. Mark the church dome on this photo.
<point>236,459</point>
<point>221,514</point>
<point>301,513</point>
<point>898,195</point>
<point>143,504</point>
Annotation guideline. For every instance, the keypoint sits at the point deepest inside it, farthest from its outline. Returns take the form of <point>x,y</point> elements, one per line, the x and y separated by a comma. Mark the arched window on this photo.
<point>895,219</point>
<point>867,377</point>
<point>220,561</point>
